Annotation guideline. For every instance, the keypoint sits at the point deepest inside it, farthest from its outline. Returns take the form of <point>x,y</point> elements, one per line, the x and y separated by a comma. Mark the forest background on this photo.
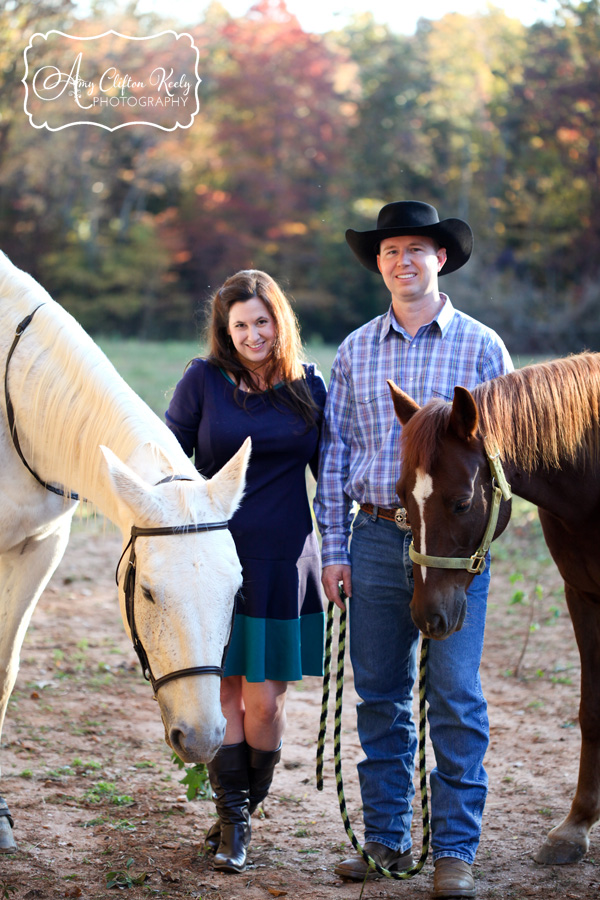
<point>302,135</point>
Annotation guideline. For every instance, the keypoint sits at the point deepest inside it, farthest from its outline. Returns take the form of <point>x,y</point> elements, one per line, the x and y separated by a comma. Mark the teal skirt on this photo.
<point>276,649</point>
<point>279,625</point>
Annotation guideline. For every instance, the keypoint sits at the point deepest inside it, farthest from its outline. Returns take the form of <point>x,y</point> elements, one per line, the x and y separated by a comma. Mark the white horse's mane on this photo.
<point>70,404</point>
<point>75,399</point>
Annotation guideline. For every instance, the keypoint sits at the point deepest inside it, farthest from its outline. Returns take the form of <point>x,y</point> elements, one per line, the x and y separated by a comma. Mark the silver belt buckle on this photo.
<point>400,519</point>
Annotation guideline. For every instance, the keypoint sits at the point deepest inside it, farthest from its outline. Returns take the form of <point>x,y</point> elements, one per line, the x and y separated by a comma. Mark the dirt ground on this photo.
<point>93,790</point>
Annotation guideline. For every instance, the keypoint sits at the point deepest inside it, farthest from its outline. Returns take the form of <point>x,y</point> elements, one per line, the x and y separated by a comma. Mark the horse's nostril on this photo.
<point>183,742</point>
<point>437,626</point>
<point>175,739</point>
<point>193,746</point>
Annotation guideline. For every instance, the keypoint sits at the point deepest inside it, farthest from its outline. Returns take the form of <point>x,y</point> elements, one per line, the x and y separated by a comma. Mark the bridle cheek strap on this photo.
<point>129,590</point>
<point>474,564</point>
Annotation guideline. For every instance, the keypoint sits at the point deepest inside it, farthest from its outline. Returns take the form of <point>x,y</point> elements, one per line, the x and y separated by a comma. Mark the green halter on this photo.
<point>475,563</point>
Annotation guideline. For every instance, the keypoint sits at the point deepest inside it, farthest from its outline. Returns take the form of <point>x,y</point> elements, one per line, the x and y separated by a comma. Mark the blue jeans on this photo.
<point>383,650</point>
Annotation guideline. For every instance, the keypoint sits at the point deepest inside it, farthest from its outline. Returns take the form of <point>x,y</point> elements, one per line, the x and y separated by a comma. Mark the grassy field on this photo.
<point>153,368</point>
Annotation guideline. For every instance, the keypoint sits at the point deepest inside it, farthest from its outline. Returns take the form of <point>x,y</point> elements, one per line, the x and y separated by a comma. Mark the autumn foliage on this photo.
<point>300,136</point>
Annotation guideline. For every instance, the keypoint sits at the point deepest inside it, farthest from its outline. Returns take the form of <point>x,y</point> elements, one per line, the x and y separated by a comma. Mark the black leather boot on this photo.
<point>228,774</point>
<point>261,765</point>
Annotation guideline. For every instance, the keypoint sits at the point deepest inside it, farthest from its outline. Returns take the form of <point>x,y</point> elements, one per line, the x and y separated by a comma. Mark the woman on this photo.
<point>253,383</point>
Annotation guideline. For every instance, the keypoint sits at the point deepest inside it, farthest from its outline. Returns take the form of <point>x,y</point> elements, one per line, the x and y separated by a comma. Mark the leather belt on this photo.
<point>398,516</point>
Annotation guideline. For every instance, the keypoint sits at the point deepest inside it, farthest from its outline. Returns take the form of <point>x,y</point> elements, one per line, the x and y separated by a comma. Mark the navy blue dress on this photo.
<point>279,624</point>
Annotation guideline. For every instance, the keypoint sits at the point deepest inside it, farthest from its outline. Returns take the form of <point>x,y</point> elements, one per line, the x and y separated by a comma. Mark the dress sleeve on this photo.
<point>185,409</point>
<point>318,389</point>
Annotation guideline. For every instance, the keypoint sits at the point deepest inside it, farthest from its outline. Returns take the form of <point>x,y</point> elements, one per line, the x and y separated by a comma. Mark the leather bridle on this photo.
<point>129,590</point>
<point>10,414</point>
<point>129,582</point>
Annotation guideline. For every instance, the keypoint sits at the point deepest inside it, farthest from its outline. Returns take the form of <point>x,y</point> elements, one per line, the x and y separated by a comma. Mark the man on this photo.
<point>427,347</point>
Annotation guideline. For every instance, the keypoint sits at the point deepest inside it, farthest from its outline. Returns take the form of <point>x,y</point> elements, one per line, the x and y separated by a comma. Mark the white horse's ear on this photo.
<point>129,487</point>
<point>226,488</point>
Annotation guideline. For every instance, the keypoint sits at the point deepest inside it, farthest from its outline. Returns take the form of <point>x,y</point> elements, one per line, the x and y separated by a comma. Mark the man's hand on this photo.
<point>331,579</point>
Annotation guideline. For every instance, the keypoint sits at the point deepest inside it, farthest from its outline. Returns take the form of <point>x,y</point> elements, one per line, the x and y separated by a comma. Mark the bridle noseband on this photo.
<point>474,564</point>
<point>129,590</point>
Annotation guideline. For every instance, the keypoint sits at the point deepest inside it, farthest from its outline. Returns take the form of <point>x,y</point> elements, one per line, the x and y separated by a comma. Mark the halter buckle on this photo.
<point>477,564</point>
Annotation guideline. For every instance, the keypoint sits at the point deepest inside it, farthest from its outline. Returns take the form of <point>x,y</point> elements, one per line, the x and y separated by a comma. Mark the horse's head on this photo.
<point>446,488</point>
<point>183,594</point>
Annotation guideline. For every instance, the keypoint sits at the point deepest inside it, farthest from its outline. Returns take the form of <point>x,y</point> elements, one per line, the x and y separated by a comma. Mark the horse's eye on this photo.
<point>147,595</point>
<point>462,506</point>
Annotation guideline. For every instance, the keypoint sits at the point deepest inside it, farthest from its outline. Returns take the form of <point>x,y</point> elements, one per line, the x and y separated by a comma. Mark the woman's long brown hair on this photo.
<point>284,363</point>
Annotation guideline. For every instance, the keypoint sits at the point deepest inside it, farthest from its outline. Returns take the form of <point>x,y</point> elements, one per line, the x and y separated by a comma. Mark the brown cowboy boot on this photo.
<point>356,868</point>
<point>452,877</point>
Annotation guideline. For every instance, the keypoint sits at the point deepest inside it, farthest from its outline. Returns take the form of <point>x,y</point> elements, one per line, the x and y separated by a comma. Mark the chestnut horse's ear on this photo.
<point>404,405</point>
<point>464,417</point>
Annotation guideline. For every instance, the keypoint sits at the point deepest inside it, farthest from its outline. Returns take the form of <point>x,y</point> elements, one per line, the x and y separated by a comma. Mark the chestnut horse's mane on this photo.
<point>540,416</point>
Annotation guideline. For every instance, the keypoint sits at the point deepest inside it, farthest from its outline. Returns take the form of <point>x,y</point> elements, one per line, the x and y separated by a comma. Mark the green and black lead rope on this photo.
<point>409,873</point>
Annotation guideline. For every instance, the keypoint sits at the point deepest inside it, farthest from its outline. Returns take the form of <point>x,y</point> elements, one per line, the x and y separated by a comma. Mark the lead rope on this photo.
<point>398,876</point>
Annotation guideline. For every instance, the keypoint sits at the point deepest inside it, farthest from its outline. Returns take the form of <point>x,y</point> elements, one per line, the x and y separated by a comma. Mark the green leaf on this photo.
<point>195,779</point>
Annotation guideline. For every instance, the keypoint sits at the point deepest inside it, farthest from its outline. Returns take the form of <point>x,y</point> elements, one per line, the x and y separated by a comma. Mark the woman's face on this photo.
<point>252,330</point>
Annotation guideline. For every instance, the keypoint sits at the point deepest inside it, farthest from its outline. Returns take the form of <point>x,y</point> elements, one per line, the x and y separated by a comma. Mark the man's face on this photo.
<point>409,265</point>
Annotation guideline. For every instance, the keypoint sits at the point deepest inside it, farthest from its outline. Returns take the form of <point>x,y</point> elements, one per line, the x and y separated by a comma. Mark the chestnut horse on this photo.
<point>545,422</point>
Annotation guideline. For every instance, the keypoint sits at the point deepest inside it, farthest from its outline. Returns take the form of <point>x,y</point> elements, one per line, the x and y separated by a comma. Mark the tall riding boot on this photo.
<point>261,765</point>
<point>228,774</point>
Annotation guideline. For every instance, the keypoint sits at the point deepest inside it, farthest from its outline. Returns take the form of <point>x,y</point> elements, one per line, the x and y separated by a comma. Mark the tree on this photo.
<point>256,195</point>
<point>552,182</point>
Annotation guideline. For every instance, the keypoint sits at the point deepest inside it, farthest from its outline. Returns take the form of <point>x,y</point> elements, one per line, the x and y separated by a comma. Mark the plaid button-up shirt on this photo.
<point>360,454</point>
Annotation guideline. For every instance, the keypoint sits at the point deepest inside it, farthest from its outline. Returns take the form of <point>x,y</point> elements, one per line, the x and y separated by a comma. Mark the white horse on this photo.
<point>81,427</point>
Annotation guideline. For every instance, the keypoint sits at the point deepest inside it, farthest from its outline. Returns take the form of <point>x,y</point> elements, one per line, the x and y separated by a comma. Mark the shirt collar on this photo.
<point>442,319</point>
<point>445,315</point>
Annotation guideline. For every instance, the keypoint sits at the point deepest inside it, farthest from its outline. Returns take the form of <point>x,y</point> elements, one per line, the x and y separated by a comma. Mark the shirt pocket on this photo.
<point>375,415</point>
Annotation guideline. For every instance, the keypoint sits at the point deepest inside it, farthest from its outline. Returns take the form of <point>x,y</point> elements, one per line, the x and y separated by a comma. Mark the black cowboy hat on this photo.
<point>413,217</point>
